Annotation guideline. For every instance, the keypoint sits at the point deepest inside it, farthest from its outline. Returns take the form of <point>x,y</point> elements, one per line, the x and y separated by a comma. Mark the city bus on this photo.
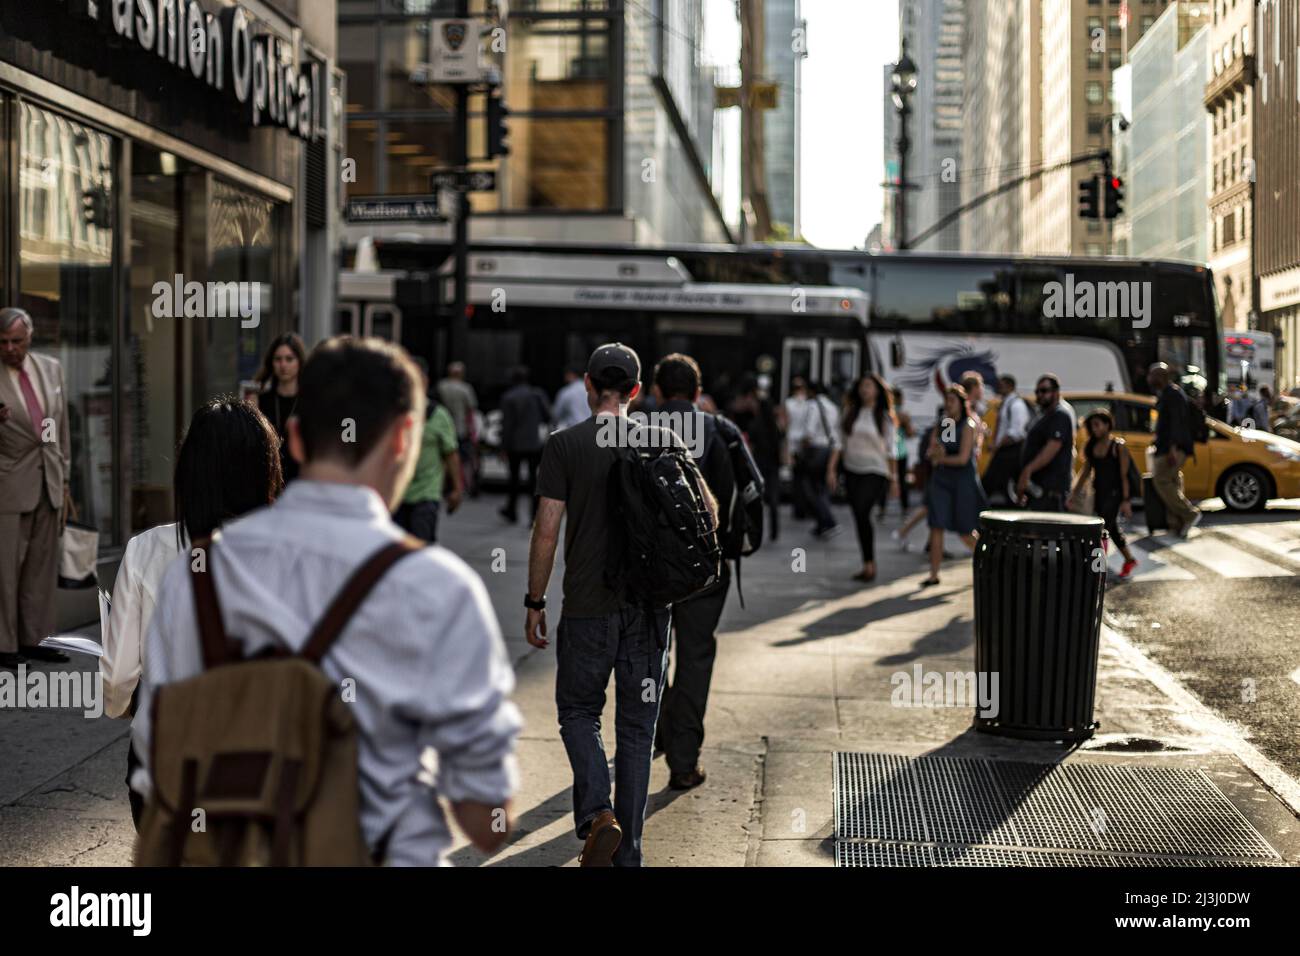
<point>919,319</point>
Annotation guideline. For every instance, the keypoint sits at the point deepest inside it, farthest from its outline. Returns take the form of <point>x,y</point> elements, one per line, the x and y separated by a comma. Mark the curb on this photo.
<point>1277,780</point>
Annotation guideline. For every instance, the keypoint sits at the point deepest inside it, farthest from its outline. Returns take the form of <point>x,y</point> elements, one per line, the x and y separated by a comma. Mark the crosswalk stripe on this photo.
<point>1225,560</point>
<point>1286,547</point>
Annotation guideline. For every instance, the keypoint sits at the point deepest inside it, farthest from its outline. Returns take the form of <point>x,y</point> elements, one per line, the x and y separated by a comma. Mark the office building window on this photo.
<point>558,65</point>
<point>1094,93</point>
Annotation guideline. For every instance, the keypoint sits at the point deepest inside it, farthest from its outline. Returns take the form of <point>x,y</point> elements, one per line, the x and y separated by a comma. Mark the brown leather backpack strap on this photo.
<point>361,583</point>
<point>212,632</point>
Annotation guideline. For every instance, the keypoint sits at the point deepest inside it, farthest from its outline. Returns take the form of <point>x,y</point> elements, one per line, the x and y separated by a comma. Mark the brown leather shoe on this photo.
<point>602,840</point>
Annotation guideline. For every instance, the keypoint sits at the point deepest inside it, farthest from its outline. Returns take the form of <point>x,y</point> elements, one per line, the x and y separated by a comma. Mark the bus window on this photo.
<point>954,296</point>
<point>349,319</point>
<point>843,360</point>
<point>384,321</point>
<point>799,360</point>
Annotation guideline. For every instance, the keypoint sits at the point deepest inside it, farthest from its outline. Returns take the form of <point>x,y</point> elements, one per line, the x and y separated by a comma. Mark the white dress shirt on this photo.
<point>424,650</point>
<point>135,592</point>
<point>571,406</point>
<point>817,420</point>
<point>1013,419</point>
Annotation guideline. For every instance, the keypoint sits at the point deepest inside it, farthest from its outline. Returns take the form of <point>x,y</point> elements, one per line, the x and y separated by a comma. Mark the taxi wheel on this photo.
<point>1245,488</point>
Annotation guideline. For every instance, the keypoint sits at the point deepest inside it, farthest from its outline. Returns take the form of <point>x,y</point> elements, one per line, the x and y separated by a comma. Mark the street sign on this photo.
<point>390,209</point>
<point>455,52</point>
<point>473,180</point>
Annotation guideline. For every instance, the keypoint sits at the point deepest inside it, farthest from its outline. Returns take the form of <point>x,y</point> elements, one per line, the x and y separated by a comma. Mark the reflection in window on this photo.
<point>241,235</point>
<point>66,193</point>
<point>413,151</point>
<point>558,164</point>
<point>558,65</point>
<point>357,53</point>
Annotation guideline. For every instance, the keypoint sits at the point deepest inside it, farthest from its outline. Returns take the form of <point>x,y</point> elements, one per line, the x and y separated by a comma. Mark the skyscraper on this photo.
<point>784,50</point>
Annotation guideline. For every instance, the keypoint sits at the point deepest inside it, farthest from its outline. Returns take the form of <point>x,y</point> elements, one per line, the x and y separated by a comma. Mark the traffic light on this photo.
<point>95,208</point>
<point>497,130</point>
<point>1088,208</point>
<point>1114,203</point>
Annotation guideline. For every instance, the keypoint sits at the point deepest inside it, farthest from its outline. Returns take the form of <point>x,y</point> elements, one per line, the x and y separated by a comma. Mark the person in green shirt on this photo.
<point>439,458</point>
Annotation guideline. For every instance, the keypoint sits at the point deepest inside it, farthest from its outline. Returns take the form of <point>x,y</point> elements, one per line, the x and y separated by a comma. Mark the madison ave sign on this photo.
<point>231,52</point>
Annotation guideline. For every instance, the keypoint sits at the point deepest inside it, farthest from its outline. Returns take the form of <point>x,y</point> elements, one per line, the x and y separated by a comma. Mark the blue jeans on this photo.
<point>588,649</point>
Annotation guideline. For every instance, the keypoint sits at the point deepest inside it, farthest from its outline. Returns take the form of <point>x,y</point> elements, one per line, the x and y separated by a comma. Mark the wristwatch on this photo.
<point>538,605</point>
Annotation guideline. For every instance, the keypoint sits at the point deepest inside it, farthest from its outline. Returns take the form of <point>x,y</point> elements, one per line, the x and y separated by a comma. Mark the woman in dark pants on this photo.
<point>868,457</point>
<point>1107,460</point>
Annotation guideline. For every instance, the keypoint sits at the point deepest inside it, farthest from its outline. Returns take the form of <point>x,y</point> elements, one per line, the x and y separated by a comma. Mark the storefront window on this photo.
<point>67,203</point>
<point>242,239</point>
<point>152,357</point>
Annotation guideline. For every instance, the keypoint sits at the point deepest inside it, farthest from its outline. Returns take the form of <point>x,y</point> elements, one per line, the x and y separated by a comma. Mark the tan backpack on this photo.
<point>254,760</point>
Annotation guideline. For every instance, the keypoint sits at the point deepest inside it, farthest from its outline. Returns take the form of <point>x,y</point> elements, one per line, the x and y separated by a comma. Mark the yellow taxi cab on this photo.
<point>1242,466</point>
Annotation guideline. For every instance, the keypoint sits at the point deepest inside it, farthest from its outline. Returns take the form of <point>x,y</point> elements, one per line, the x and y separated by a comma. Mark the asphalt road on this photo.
<point>1221,611</point>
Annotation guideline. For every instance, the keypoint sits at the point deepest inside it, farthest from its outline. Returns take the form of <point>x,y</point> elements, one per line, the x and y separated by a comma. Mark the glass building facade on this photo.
<point>608,105</point>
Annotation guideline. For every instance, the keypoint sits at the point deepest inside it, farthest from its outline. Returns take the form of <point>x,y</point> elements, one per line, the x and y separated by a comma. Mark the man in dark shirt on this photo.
<point>525,412</point>
<point>598,633</point>
<point>1047,461</point>
<point>681,716</point>
<point>754,414</point>
<point>1172,445</point>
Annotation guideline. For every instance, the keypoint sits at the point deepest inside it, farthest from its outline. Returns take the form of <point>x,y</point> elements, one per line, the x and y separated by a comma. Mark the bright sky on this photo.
<point>849,41</point>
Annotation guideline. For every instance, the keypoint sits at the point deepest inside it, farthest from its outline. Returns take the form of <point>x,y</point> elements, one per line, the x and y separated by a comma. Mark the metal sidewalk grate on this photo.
<point>916,854</point>
<point>950,811</point>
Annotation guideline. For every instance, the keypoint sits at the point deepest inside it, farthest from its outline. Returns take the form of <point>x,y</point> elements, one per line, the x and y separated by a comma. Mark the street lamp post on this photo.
<point>903,85</point>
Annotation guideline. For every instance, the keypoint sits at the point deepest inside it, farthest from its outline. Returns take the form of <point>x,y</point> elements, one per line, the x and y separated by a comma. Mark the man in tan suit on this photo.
<point>34,461</point>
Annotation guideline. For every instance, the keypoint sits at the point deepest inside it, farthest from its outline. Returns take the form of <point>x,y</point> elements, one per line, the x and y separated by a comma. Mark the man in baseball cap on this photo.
<point>613,365</point>
<point>598,633</point>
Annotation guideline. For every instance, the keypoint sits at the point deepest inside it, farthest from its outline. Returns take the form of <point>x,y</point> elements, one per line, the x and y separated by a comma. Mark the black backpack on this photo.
<point>663,541</point>
<point>742,516</point>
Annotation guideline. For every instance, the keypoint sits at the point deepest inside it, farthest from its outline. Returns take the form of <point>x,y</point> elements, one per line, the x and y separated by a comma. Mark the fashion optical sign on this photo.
<point>229,52</point>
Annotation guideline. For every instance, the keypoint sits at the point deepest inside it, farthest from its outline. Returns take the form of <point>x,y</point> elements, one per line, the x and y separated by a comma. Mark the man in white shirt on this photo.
<point>813,438</point>
<point>423,653</point>
<point>1008,437</point>
<point>570,406</point>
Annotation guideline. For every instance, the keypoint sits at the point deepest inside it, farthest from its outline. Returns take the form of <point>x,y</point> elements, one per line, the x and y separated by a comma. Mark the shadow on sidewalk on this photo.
<point>558,850</point>
<point>847,620</point>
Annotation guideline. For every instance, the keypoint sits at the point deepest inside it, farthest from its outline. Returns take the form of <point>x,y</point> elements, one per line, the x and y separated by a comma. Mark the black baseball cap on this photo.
<point>613,365</point>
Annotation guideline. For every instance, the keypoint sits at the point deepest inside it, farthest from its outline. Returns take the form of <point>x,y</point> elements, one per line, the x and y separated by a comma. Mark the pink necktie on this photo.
<point>33,403</point>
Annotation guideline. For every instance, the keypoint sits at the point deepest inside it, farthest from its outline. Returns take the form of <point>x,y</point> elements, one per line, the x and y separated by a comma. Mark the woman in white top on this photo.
<point>229,464</point>
<point>869,458</point>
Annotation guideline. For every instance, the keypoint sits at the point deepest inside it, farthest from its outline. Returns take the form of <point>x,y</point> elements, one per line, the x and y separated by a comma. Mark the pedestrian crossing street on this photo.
<point>1233,551</point>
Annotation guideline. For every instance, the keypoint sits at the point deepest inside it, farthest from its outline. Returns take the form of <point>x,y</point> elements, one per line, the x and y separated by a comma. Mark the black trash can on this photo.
<point>1040,584</point>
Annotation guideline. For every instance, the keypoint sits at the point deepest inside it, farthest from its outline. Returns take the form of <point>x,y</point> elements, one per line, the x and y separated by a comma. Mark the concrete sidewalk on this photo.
<point>803,670</point>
